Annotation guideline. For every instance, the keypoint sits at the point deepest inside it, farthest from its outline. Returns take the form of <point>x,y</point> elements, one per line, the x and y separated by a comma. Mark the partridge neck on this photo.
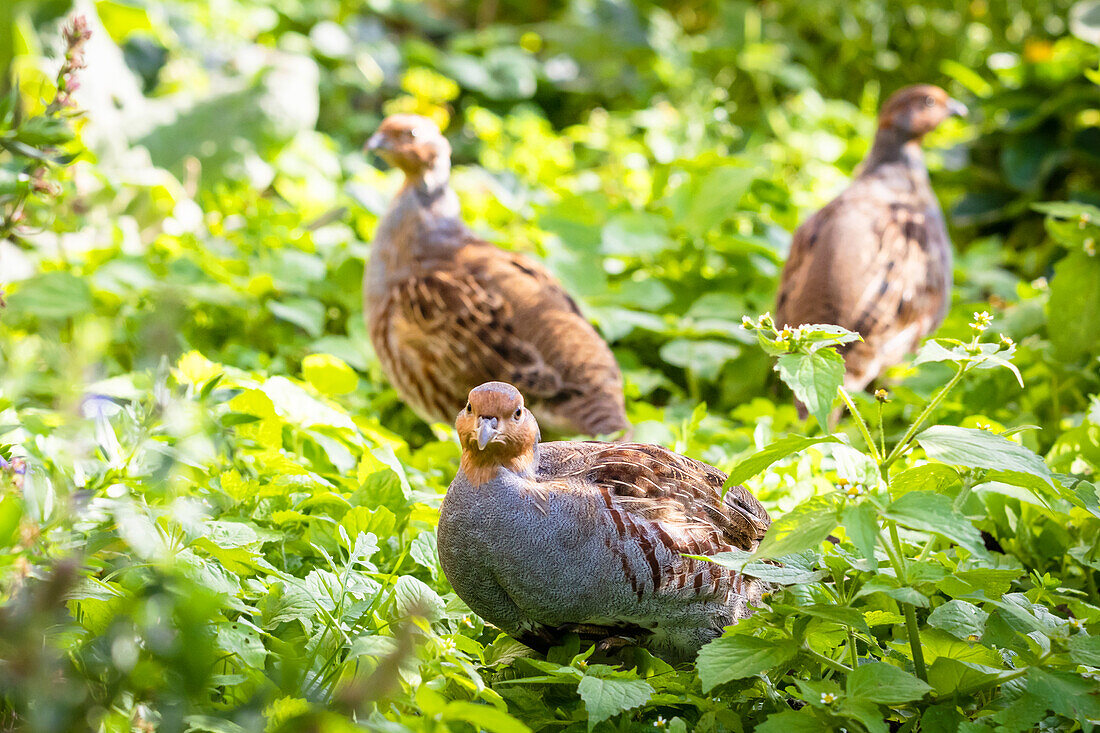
<point>893,146</point>
<point>481,468</point>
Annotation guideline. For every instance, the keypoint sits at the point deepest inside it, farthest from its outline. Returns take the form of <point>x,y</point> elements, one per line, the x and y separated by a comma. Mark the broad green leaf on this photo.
<point>1085,649</point>
<point>814,379</point>
<point>959,618</point>
<point>781,448</point>
<point>980,449</point>
<point>329,375</point>
<point>884,683</point>
<point>52,296</point>
<point>704,357</point>
<point>928,477</point>
<point>305,313</point>
<point>844,615</point>
<point>803,528</point>
<point>483,717</point>
<point>736,657</point>
<point>1069,694</point>
<point>605,697</point>
<point>789,721</point>
<point>860,521</point>
<point>934,513</point>
<point>1074,307</point>
<point>244,643</point>
<point>414,597</point>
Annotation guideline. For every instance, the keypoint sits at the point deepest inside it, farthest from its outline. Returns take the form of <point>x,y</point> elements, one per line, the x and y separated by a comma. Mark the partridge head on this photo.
<point>411,143</point>
<point>917,110</point>
<point>496,431</point>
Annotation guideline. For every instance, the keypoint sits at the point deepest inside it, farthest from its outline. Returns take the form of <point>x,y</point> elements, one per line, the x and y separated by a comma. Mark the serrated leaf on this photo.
<point>1085,649</point>
<point>814,379</point>
<point>980,449</point>
<point>736,657</point>
<point>605,697</point>
<point>959,618</point>
<point>860,521</point>
<point>884,683</point>
<point>803,528</point>
<point>930,512</point>
<point>780,449</point>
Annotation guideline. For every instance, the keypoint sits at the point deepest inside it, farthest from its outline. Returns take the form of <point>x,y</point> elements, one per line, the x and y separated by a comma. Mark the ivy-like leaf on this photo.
<point>814,379</point>
<point>736,657</point>
<point>604,697</point>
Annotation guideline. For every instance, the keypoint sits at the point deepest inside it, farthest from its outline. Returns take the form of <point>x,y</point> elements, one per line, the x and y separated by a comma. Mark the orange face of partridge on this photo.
<point>496,431</point>
<point>917,110</point>
<point>409,142</point>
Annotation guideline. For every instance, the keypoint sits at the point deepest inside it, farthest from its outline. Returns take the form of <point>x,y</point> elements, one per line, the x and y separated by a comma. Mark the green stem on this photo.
<point>909,434</point>
<point>860,423</point>
<point>828,661</point>
<point>914,640</point>
<point>853,657</point>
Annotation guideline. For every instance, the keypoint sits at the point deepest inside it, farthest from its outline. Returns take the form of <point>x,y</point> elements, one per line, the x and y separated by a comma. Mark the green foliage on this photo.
<point>215,515</point>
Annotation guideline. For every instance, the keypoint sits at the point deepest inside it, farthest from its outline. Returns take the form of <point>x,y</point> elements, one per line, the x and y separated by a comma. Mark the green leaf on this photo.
<point>1069,694</point>
<point>959,618</point>
<point>860,521</point>
<point>781,448</point>
<point>604,697</point>
<point>414,597</point>
<point>52,296</point>
<point>980,449</point>
<point>737,657</point>
<point>803,528</point>
<point>930,512</point>
<point>789,721</point>
<point>703,357</point>
<point>1074,307</point>
<point>886,684</point>
<point>305,313</point>
<point>329,375</point>
<point>1085,649</point>
<point>483,717</point>
<point>814,379</point>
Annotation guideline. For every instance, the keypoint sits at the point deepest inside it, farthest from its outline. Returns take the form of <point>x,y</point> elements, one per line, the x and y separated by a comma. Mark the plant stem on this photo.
<point>860,423</point>
<point>827,661</point>
<point>853,657</point>
<point>914,640</point>
<point>912,431</point>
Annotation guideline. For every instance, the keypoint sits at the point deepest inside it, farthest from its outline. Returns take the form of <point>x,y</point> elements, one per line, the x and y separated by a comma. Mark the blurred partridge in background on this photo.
<point>876,259</point>
<point>542,539</point>
<point>447,310</point>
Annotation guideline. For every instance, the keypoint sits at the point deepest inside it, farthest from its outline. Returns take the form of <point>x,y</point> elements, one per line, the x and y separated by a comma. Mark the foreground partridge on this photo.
<point>542,539</point>
<point>447,311</point>
<point>877,260</point>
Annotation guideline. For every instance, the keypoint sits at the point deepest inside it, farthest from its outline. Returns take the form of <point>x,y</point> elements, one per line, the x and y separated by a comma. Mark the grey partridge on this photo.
<point>876,259</point>
<point>447,310</point>
<point>542,539</point>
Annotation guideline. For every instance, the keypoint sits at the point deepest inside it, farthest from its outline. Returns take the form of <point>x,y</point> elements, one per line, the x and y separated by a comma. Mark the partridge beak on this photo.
<point>487,430</point>
<point>957,108</point>
<point>377,141</point>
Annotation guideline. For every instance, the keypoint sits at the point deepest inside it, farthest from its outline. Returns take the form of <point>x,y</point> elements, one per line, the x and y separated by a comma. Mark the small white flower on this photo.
<point>660,722</point>
<point>828,698</point>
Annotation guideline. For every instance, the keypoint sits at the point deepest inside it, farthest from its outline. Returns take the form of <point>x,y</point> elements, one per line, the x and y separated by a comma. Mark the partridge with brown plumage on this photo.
<point>876,259</point>
<point>447,310</point>
<point>542,539</point>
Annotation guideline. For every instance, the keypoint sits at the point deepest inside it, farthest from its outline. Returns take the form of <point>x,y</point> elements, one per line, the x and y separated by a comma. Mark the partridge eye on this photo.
<point>518,413</point>
<point>468,408</point>
<point>929,102</point>
<point>414,133</point>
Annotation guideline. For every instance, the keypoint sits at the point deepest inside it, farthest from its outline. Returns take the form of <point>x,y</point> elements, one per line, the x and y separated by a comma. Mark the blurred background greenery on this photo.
<point>185,371</point>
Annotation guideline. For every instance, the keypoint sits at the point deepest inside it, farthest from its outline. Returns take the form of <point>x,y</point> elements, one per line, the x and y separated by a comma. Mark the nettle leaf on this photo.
<point>928,477</point>
<point>814,379</point>
<point>425,552</point>
<point>789,721</point>
<point>1070,695</point>
<point>414,597</point>
<point>780,449</point>
<point>980,449</point>
<point>886,684</point>
<point>604,697</point>
<point>860,521</point>
<point>930,512</point>
<point>1074,307</point>
<point>737,657</point>
<point>959,618</point>
<point>803,528</point>
<point>1085,650</point>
